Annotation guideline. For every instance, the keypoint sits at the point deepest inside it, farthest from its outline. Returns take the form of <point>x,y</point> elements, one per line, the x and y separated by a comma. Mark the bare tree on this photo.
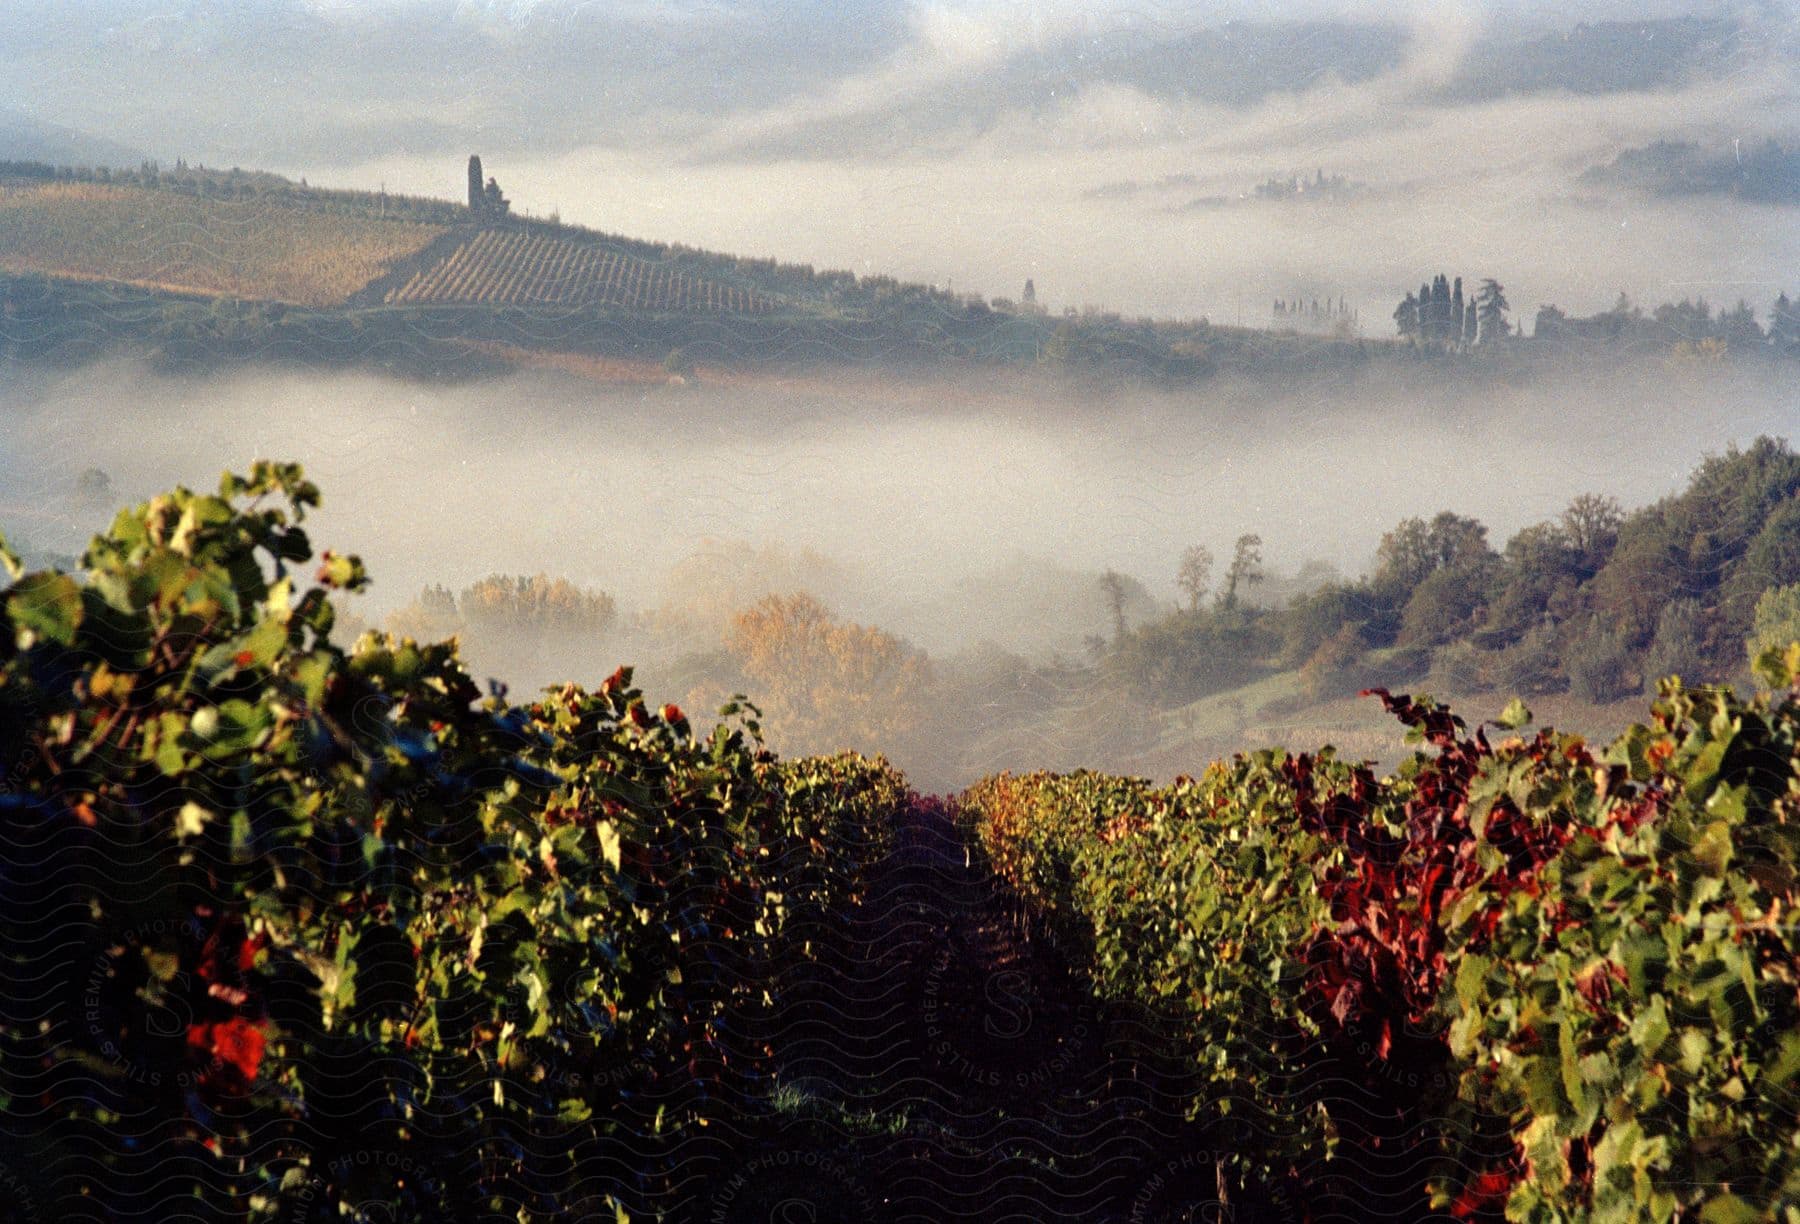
<point>1195,575</point>
<point>1591,524</point>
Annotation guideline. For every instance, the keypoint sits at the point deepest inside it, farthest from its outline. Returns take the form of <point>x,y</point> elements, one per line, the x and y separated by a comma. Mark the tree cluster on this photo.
<point>1290,312</point>
<point>1690,322</point>
<point>821,680</point>
<point>514,625</point>
<point>1596,601</point>
<point>1440,314</point>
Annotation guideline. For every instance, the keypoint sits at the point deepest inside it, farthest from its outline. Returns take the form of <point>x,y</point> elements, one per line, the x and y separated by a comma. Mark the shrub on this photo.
<point>1444,605</point>
<point>1404,665</point>
<point>1532,667</point>
<point>1190,655</point>
<point>1772,559</point>
<point>1462,668</point>
<point>1777,621</point>
<point>1333,670</point>
<point>1677,649</point>
<point>1599,667</point>
<point>1310,620</point>
<point>1209,938</point>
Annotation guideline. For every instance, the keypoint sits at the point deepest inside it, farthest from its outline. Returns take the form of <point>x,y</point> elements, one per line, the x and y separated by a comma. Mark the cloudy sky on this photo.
<point>1110,152</point>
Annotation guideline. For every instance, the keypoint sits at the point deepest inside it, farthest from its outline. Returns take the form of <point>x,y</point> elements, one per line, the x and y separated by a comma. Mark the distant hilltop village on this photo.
<point>1336,318</point>
<point>1297,187</point>
<point>485,201</point>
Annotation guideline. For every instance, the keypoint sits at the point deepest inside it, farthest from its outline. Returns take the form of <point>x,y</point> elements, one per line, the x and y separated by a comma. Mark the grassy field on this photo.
<point>167,240</point>
<point>1274,711</point>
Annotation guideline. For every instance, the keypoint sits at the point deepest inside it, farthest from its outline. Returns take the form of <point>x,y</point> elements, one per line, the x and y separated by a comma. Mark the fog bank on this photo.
<point>921,504</point>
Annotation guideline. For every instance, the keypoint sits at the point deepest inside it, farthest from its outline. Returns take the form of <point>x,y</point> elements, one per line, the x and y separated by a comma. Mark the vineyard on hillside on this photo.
<point>508,267</point>
<point>171,241</point>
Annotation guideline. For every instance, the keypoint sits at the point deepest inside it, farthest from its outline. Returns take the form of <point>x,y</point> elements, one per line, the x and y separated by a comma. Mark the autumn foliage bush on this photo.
<point>1570,972</point>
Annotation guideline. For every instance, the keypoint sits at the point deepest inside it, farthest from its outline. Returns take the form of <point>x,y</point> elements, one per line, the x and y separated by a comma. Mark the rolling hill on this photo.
<point>198,267</point>
<point>224,238</point>
<point>24,137</point>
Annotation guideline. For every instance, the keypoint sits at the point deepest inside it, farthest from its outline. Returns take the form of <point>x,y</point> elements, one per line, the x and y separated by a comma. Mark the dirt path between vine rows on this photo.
<point>941,1059</point>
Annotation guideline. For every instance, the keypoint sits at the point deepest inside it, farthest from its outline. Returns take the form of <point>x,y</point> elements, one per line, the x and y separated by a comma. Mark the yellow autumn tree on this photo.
<point>501,603</point>
<point>527,631</point>
<point>825,684</point>
<point>431,617</point>
<point>540,603</point>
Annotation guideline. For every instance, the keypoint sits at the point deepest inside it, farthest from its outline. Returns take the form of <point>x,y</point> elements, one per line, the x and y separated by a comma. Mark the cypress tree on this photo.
<point>1784,322</point>
<point>1492,306</point>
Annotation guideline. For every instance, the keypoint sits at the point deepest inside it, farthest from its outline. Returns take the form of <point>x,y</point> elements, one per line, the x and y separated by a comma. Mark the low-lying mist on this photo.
<point>968,519</point>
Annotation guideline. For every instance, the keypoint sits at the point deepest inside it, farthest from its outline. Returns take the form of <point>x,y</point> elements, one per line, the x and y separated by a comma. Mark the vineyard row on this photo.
<point>511,268</point>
